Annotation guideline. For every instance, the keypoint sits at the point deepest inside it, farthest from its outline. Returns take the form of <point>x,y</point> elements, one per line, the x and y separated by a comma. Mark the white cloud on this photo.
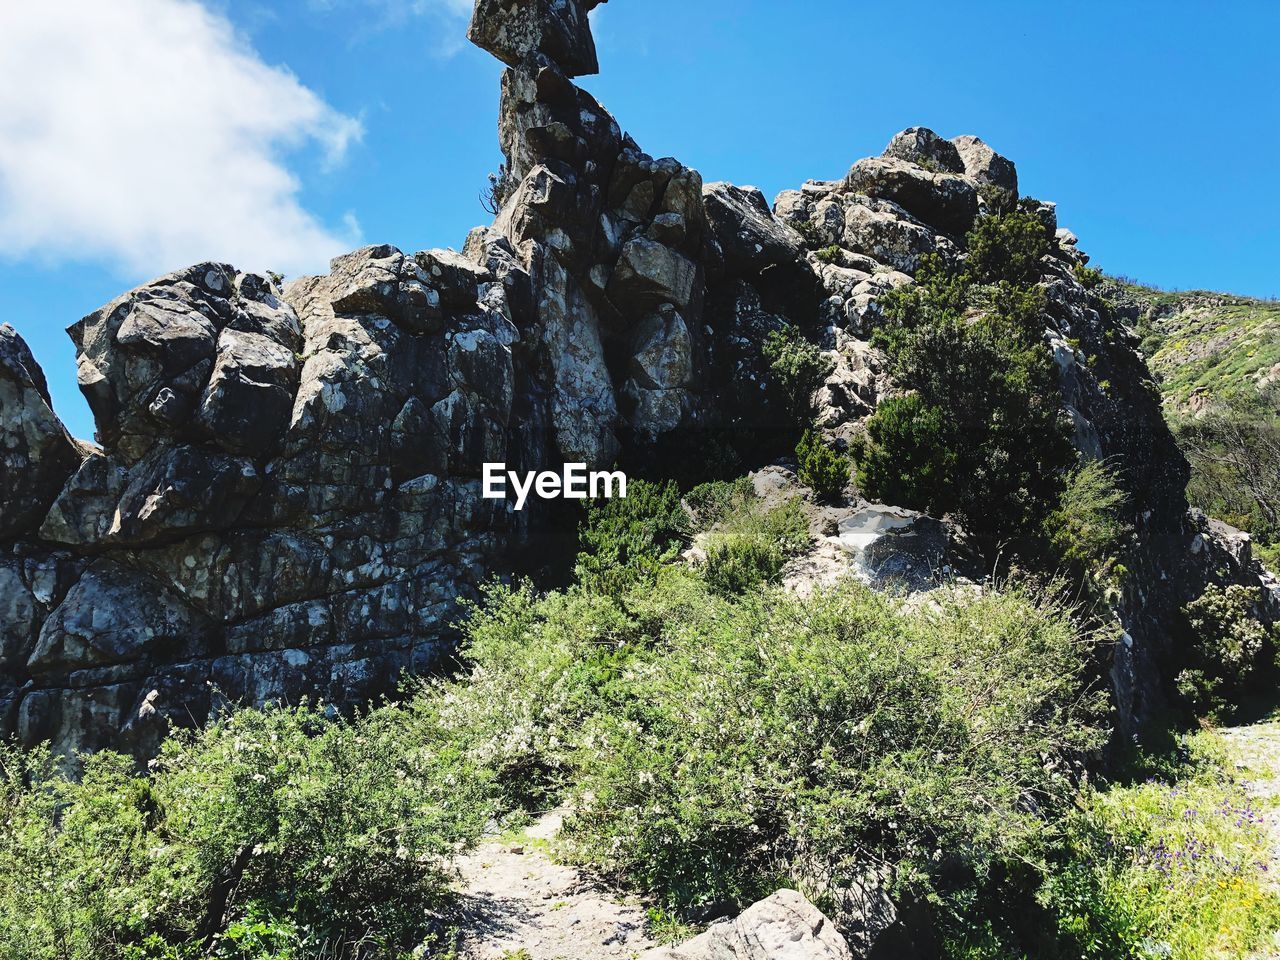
<point>147,133</point>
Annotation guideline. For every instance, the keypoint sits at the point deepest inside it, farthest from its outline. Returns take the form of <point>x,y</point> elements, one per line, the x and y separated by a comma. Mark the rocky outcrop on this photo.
<point>286,498</point>
<point>556,28</point>
<point>872,229</point>
<point>784,926</point>
<point>948,201</point>
<point>979,162</point>
<point>36,452</point>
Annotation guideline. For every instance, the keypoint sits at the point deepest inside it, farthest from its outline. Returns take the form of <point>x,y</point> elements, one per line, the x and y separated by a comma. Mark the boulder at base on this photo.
<point>784,926</point>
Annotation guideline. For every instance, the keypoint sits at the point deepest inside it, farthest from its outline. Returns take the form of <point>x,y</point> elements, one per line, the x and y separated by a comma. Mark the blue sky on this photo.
<point>139,135</point>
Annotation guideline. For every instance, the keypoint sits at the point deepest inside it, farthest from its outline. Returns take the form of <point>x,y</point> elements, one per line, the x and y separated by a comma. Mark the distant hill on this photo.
<point>1216,358</point>
<point>1201,344</point>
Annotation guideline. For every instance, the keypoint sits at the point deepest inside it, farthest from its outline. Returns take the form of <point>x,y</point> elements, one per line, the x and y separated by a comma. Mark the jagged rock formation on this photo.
<point>285,499</point>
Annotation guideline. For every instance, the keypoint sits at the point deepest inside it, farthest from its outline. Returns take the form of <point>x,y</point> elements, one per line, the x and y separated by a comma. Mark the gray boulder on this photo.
<point>947,201</point>
<point>883,230</point>
<point>983,164</point>
<point>649,274</point>
<point>36,452</point>
<point>661,372</point>
<point>924,148</point>
<point>147,361</point>
<point>114,615</point>
<point>894,547</point>
<point>784,926</point>
<point>749,236</point>
<point>246,403</point>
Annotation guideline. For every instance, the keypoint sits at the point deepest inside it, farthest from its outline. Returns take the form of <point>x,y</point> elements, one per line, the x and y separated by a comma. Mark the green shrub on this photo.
<point>739,564</point>
<point>904,456</point>
<point>716,744</point>
<point>843,734</point>
<point>1007,248</point>
<point>821,468</point>
<point>625,540</point>
<point>984,437</point>
<point>1164,870</point>
<point>986,427</point>
<point>75,858</point>
<point>751,543</point>
<point>1228,643</point>
<point>540,666</point>
<point>1087,277</point>
<point>830,254</point>
<point>1085,532</point>
<point>271,824</point>
<point>798,367</point>
<point>709,503</point>
<point>998,200</point>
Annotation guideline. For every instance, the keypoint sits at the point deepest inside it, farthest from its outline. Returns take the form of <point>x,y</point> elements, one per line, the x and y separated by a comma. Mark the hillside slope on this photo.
<point>1201,344</point>
<point>1216,358</point>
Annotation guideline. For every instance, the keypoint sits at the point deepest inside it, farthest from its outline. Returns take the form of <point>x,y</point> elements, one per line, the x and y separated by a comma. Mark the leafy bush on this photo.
<point>751,543</point>
<point>1008,248</point>
<point>271,824</point>
<point>1228,644</point>
<point>1085,531</point>
<point>709,503</point>
<point>714,744</point>
<point>984,436</point>
<point>736,565</point>
<point>843,736</point>
<point>540,666</point>
<point>997,199</point>
<point>904,457</point>
<point>1165,870</point>
<point>626,540</point>
<point>821,468</point>
<point>798,367</point>
<point>74,858</point>
<point>1088,277</point>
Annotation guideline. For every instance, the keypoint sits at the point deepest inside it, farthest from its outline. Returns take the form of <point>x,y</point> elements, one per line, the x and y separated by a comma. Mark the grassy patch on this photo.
<point>1177,868</point>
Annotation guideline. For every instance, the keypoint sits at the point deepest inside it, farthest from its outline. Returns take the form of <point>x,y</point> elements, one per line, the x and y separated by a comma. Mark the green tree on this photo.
<point>798,366</point>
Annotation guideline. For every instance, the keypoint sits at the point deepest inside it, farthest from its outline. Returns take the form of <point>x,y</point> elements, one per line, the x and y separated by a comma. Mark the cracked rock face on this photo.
<point>36,452</point>
<point>285,500</point>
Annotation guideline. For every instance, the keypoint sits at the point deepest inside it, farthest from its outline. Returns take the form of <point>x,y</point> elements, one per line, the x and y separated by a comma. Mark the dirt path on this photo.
<point>517,899</point>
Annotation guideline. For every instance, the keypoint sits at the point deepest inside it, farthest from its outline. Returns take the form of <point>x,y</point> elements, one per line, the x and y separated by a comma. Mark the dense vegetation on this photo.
<point>714,735</point>
<point>980,435</point>
<point>1214,356</point>
<point>1203,343</point>
<point>934,750</point>
<point>1173,865</point>
<point>1233,447</point>
<point>271,834</point>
